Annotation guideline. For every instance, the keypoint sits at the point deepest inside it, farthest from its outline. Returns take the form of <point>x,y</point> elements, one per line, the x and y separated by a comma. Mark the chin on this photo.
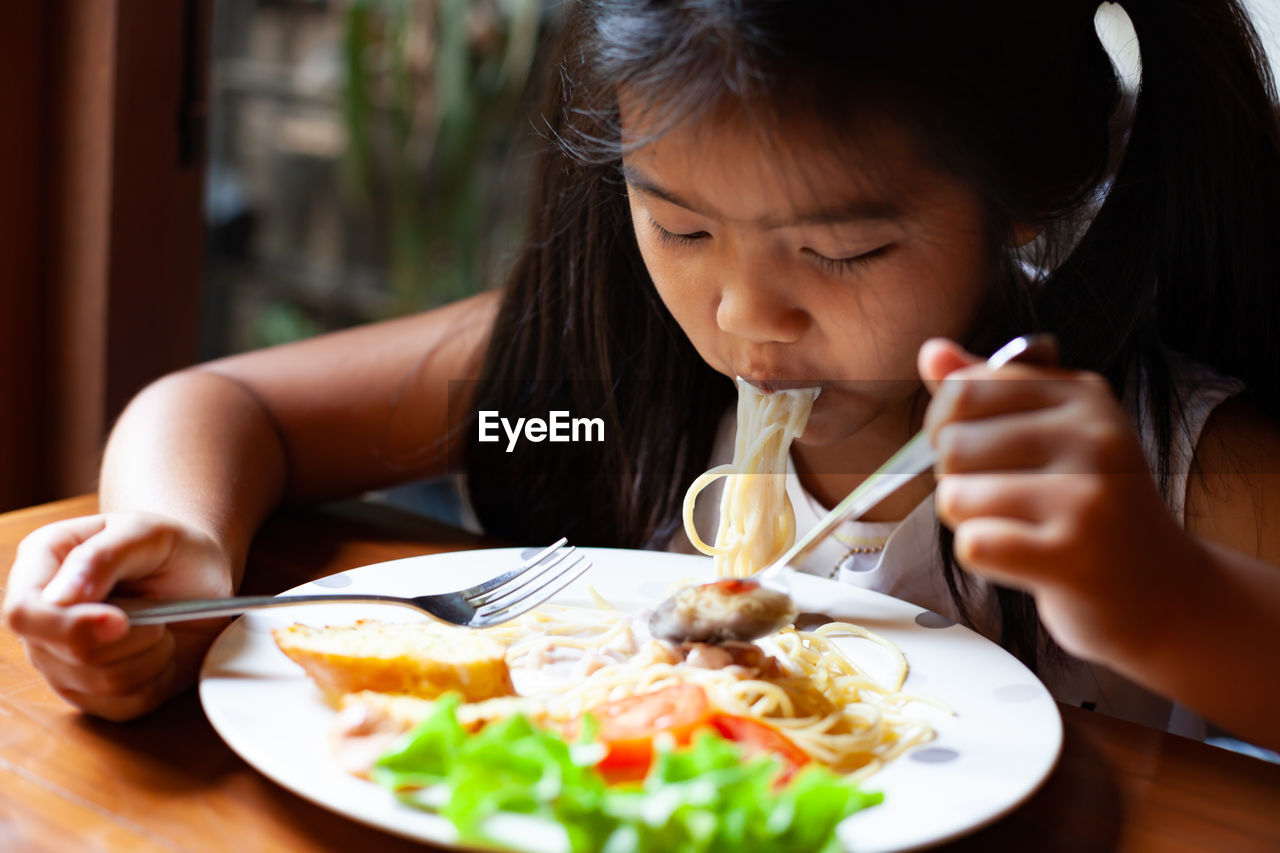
<point>842,411</point>
<point>835,417</point>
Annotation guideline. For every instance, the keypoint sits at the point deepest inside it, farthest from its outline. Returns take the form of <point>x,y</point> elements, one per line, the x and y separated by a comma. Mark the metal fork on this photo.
<point>913,458</point>
<point>497,600</point>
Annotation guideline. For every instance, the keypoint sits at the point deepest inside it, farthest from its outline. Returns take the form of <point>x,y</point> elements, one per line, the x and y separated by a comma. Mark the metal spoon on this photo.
<point>761,604</point>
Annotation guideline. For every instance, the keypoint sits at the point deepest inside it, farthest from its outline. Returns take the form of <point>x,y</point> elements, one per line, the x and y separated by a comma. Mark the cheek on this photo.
<point>688,305</point>
<point>676,281</point>
<point>965,258</point>
<point>692,305</point>
<point>956,287</point>
<point>666,278</point>
<point>937,288</point>
<point>972,275</point>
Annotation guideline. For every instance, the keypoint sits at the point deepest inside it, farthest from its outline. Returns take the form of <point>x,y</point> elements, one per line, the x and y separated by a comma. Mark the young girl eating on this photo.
<point>865,196</point>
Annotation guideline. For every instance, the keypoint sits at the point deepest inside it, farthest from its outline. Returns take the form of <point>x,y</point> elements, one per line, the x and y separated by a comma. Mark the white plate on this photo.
<point>988,758</point>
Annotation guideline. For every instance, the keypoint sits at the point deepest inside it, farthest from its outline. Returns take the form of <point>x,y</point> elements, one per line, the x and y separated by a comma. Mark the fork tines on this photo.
<point>524,589</point>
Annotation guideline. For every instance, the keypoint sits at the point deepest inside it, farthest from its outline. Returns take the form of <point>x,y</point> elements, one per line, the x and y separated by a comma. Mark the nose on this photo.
<point>760,311</point>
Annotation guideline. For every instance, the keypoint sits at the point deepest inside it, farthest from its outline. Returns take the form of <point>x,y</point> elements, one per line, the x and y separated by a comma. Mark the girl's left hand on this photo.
<point>1043,480</point>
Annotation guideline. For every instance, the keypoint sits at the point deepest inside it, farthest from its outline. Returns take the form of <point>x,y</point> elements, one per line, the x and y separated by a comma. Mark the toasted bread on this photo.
<point>416,658</point>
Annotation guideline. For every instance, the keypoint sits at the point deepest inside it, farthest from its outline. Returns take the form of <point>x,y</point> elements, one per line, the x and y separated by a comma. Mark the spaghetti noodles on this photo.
<point>566,660</point>
<point>757,523</point>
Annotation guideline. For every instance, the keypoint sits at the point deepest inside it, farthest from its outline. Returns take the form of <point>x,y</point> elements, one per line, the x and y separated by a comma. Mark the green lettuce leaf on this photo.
<point>704,798</point>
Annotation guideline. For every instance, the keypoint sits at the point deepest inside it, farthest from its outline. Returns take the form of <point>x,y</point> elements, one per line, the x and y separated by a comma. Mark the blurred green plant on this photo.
<point>432,95</point>
<point>280,322</point>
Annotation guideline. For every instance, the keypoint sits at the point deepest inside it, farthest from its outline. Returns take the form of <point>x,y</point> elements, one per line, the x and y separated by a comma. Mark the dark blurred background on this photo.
<point>183,179</point>
<point>363,159</point>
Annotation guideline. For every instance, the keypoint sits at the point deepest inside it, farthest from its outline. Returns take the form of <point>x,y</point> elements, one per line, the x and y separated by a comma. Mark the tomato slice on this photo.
<point>628,727</point>
<point>759,737</point>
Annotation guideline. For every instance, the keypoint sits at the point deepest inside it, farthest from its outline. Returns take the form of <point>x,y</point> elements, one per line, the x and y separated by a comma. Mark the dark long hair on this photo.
<point>1018,99</point>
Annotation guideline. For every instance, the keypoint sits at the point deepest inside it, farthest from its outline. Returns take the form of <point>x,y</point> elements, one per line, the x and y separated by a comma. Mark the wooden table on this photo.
<point>167,782</point>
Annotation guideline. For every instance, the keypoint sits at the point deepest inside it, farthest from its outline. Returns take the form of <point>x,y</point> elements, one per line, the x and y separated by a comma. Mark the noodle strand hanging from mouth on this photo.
<point>757,523</point>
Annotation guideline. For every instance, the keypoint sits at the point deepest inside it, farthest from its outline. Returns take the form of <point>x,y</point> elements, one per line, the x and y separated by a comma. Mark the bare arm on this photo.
<point>1214,642</point>
<point>220,445</point>
<point>198,448</point>
<point>370,406</point>
<point>1046,487</point>
<point>195,464</point>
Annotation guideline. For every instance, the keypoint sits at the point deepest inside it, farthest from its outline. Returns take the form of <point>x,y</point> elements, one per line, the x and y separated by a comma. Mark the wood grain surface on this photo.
<point>168,783</point>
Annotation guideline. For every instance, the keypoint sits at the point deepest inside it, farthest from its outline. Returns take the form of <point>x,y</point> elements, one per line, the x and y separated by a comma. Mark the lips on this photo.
<point>769,386</point>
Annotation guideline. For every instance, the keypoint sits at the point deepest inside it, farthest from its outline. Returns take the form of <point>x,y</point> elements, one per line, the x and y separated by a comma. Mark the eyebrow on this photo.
<point>853,210</point>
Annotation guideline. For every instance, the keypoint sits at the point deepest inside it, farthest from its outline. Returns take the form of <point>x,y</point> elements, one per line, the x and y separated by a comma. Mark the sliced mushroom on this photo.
<point>722,611</point>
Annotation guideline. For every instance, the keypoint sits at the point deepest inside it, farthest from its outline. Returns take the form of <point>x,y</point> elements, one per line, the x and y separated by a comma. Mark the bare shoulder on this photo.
<point>1233,493</point>
<point>372,405</point>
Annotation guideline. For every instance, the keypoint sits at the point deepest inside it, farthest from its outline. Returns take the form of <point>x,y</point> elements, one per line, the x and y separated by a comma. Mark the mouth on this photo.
<point>770,386</point>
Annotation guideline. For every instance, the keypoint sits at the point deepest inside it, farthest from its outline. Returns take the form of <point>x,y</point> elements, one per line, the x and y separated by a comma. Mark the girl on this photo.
<point>802,192</point>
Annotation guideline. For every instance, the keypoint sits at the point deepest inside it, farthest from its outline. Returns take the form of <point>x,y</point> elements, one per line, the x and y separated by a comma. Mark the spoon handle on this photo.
<point>913,458</point>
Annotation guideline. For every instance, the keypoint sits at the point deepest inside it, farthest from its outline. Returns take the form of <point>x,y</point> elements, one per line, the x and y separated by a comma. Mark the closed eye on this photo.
<point>670,238</point>
<point>836,266</point>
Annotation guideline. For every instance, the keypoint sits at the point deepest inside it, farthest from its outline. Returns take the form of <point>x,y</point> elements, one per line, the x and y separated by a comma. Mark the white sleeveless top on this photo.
<point>909,566</point>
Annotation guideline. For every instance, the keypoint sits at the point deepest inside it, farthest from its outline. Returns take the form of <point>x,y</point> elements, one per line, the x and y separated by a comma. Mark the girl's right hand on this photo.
<point>85,648</point>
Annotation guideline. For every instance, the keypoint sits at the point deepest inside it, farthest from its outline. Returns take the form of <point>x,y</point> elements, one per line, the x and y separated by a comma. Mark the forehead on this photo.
<point>752,167</point>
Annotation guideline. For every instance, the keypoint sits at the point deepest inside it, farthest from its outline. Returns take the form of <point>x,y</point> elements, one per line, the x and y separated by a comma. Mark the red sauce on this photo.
<point>734,586</point>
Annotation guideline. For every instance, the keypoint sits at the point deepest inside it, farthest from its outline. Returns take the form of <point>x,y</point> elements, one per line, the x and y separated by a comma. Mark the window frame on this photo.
<point>101,224</point>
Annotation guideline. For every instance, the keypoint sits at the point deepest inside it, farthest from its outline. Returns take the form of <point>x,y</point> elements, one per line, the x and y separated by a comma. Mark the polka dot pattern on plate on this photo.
<point>934,755</point>
<point>337,581</point>
<point>809,621</point>
<point>1011,746</point>
<point>929,619</point>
